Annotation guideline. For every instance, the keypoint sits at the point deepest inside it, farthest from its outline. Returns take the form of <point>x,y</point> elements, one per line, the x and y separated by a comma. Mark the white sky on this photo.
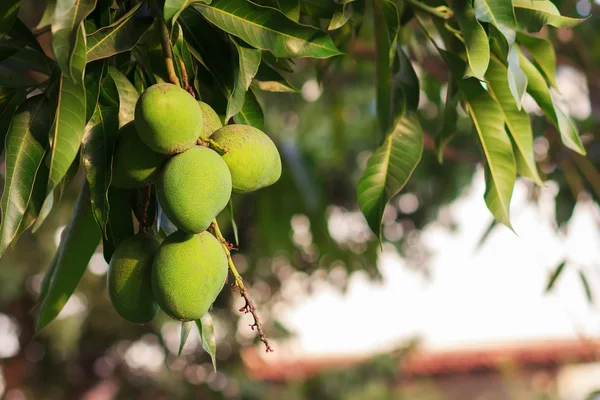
<point>473,298</point>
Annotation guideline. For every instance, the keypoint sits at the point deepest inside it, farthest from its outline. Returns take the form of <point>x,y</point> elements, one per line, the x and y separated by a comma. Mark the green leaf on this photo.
<point>276,63</point>
<point>97,148</point>
<point>120,222</point>
<point>517,80</point>
<point>251,113</point>
<point>517,121</point>
<point>21,34</point>
<point>234,226</point>
<point>341,15</point>
<point>206,328</point>
<point>185,332</point>
<point>499,13</point>
<point>586,287</point>
<point>92,82</point>
<point>554,277</point>
<point>538,89</point>
<point>9,10</point>
<point>269,80</point>
<point>405,84</point>
<point>173,8</point>
<point>10,99</point>
<point>542,52</point>
<point>128,95</point>
<point>68,18</point>
<point>474,36</point>
<point>501,171</point>
<point>118,37</point>
<point>26,143</point>
<point>389,168</point>
<point>249,60</point>
<point>78,243</point>
<point>267,29</point>
<point>447,129</point>
<point>534,14</point>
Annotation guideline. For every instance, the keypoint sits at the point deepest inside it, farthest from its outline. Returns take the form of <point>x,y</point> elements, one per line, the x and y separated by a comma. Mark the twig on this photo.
<point>144,221</point>
<point>249,305</point>
<point>442,12</point>
<point>184,78</point>
<point>165,43</point>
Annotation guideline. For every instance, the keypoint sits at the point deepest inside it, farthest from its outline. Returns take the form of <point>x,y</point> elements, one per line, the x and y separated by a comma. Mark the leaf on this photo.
<point>276,63</point>
<point>234,226</point>
<point>78,243</point>
<point>342,14</point>
<point>501,171</point>
<point>542,52</point>
<point>120,36</point>
<point>269,80</point>
<point>92,82</point>
<point>517,121</point>
<point>206,328</point>
<point>249,60</point>
<point>173,8</point>
<point>251,113</point>
<point>97,148</point>
<point>26,143</point>
<point>267,29</point>
<point>534,14</point>
<point>10,99</point>
<point>185,332</point>
<point>21,34</point>
<point>120,222</point>
<point>517,80</point>
<point>405,84</point>
<point>9,10</point>
<point>540,92</point>
<point>586,287</point>
<point>475,38</point>
<point>499,13</point>
<point>67,21</point>
<point>127,95</point>
<point>389,168</point>
<point>447,130</point>
<point>554,277</point>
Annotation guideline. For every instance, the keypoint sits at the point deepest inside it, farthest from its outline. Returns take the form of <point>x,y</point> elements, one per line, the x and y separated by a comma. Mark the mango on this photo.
<point>134,164</point>
<point>168,119</point>
<point>193,188</point>
<point>129,279</point>
<point>188,272</point>
<point>211,120</point>
<point>252,157</point>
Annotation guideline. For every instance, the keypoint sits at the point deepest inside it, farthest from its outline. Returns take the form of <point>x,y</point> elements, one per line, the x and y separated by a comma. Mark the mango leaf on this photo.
<point>517,79</point>
<point>540,92</point>
<point>289,8</point>
<point>123,93</point>
<point>97,148</point>
<point>21,34</point>
<point>38,195</point>
<point>267,29</point>
<point>206,328</point>
<point>77,245</point>
<point>277,63</point>
<point>173,8</point>
<point>26,143</point>
<point>249,60</point>
<point>251,113</point>
<point>234,226</point>
<point>542,52</point>
<point>92,82</point>
<point>554,277</point>
<point>447,129</point>
<point>499,13</point>
<point>501,171</point>
<point>68,18</point>
<point>474,36</point>
<point>185,332</point>
<point>269,80</point>
<point>586,287</point>
<point>120,222</point>
<point>517,121</point>
<point>10,99</point>
<point>341,15</point>
<point>9,10</point>
<point>534,14</point>
<point>120,36</point>
<point>405,84</point>
<point>389,168</point>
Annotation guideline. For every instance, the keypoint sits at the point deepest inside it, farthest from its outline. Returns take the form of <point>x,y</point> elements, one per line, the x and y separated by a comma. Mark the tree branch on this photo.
<point>165,43</point>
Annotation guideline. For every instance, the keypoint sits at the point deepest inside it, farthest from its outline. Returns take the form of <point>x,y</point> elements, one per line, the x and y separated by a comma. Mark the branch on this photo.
<point>184,78</point>
<point>144,221</point>
<point>249,305</point>
<point>165,43</point>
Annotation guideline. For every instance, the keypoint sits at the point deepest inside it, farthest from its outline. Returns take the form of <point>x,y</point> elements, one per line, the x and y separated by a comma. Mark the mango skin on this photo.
<point>211,120</point>
<point>134,164</point>
<point>188,273</point>
<point>194,187</point>
<point>252,157</point>
<point>168,119</point>
<point>129,279</point>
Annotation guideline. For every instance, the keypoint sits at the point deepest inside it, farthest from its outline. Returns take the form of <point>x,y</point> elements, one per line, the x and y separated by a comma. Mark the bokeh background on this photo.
<point>450,307</point>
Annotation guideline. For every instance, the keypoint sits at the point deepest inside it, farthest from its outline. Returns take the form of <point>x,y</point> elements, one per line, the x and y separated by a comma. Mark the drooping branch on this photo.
<point>239,283</point>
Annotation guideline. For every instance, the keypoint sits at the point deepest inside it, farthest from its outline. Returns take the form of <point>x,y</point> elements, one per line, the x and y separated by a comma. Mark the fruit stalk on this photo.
<point>165,43</point>
<point>249,305</point>
<point>213,145</point>
<point>144,221</point>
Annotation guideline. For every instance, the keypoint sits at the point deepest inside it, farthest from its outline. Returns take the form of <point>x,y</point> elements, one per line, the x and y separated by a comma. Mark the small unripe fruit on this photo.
<point>134,164</point>
<point>130,279</point>
<point>188,273</point>
<point>194,188</point>
<point>168,119</point>
<point>252,157</point>
<point>211,120</point>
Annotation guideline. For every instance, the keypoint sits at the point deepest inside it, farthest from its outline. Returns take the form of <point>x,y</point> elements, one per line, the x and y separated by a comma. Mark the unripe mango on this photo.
<point>211,120</point>
<point>130,279</point>
<point>252,157</point>
<point>188,272</point>
<point>168,119</point>
<point>134,164</point>
<point>193,188</point>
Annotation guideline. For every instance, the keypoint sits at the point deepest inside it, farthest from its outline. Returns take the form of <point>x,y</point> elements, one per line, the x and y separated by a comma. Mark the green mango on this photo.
<point>211,120</point>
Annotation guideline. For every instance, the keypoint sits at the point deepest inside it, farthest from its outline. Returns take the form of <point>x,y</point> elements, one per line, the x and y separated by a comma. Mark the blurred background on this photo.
<point>450,307</point>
